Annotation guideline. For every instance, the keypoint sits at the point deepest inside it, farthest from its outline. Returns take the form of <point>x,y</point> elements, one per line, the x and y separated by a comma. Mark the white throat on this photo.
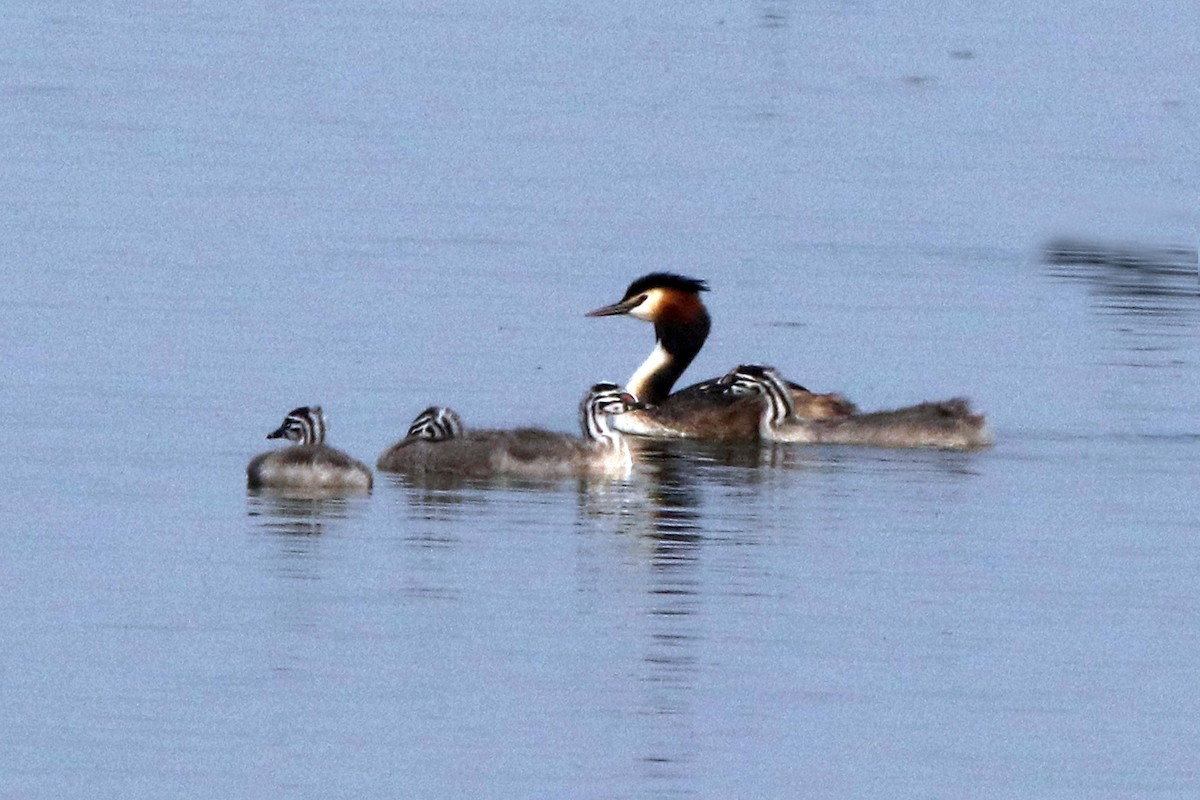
<point>639,383</point>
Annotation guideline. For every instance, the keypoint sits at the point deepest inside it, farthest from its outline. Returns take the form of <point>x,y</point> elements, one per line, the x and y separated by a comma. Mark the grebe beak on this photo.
<point>623,307</point>
<point>279,433</point>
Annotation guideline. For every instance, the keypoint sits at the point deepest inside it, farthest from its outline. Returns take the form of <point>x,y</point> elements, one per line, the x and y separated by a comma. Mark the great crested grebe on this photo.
<point>703,411</point>
<point>309,464</point>
<point>948,424</point>
<point>437,443</point>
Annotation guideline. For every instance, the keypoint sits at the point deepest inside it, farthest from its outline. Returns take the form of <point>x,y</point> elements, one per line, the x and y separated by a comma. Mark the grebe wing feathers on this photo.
<point>467,454</point>
<point>946,424</point>
<point>535,444</point>
<point>317,455</point>
<point>937,412</point>
<point>706,411</point>
<point>696,415</point>
<point>809,405</point>
<point>486,453</point>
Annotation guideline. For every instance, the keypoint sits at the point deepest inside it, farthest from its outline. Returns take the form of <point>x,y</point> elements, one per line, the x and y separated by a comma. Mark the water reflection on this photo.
<point>678,464</point>
<point>1149,299</point>
<point>691,531</point>
<point>1155,282</point>
<point>296,524</point>
<point>670,532</point>
<point>774,15</point>
<point>701,499</point>
<point>438,497</point>
<point>453,497</point>
<point>446,511</point>
<point>297,515</point>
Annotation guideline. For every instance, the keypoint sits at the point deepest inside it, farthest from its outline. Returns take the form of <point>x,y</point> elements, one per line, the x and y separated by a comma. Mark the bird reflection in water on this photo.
<point>660,512</point>
<point>1128,279</point>
<point>295,525</point>
<point>1149,297</point>
<point>298,514</point>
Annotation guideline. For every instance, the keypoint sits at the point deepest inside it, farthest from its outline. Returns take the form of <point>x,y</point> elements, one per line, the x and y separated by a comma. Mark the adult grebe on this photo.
<point>681,324</point>
<point>309,464</point>
<point>446,448</point>
<point>947,425</point>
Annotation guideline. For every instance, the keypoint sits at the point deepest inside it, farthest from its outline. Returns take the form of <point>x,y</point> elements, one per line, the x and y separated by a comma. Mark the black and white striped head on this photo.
<point>757,379</point>
<point>304,425</point>
<point>602,401</point>
<point>436,424</point>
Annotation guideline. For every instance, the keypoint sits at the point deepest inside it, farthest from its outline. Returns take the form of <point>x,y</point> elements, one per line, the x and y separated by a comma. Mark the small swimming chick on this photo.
<point>309,464</point>
<point>438,443</point>
<point>947,424</point>
<point>703,410</point>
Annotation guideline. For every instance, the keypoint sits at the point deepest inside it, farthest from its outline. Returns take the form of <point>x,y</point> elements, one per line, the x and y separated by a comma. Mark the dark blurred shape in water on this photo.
<point>1129,279</point>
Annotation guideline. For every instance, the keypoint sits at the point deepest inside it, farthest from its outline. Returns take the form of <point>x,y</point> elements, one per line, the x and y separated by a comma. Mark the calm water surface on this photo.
<point>214,214</point>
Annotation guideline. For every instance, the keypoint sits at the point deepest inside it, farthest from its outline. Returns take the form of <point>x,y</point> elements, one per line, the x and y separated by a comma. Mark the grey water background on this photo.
<point>215,212</point>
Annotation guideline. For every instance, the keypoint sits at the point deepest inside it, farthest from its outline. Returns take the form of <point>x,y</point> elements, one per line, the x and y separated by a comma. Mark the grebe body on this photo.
<point>946,424</point>
<point>703,410</point>
<point>519,452</point>
<point>309,464</point>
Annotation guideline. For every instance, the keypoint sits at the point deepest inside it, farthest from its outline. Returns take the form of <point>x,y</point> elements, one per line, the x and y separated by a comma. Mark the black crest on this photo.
<point>664,280</point>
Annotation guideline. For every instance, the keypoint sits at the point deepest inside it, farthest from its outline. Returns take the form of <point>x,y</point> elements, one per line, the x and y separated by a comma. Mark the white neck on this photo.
<point>639,383</point>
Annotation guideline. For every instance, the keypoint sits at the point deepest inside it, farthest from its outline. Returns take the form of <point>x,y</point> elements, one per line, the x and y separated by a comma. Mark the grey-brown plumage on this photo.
<point>523,452</point>
<point>527,452</point>
<point>704,411</point>
<point>946,424</point>
<point>309,464</point>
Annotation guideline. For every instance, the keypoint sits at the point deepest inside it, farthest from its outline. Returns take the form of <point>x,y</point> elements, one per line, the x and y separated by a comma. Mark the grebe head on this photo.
<point>658,296</point>
<point>312,466</point>
<point>751,379</point>
<point>436,424</point>
<point>304,425</point>
<point>602,401</point>
<point>681,324</point>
